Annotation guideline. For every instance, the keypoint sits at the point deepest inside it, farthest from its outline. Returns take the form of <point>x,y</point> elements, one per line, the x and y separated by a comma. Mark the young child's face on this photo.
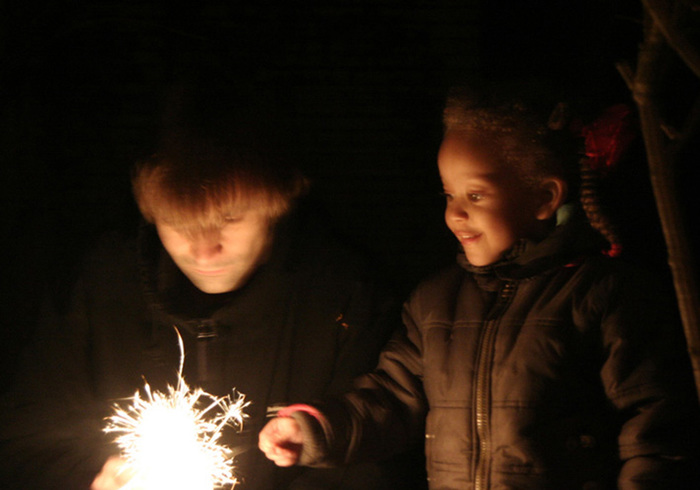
<point>488,209</point>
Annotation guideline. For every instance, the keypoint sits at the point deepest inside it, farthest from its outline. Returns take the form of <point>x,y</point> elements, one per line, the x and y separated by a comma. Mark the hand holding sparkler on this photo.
<point>115,474</point>
<point>171,439</point>
<point>281,440</point>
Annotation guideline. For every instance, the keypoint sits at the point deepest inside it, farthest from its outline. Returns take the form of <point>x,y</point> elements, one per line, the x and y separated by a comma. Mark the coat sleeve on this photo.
<point>366,323</point>
<point>51,435</point>
<point>383,414</point>
<point>646,375</point>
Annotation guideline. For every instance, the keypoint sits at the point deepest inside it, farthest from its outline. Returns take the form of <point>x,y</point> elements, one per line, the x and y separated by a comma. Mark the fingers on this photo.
<point>283,457</point>
<point>281,440</point>
<point>114,475</point>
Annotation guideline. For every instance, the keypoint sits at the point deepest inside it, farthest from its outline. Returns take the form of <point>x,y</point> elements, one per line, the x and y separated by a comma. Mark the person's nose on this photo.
<point>205,247</point>
<point>454,212</point>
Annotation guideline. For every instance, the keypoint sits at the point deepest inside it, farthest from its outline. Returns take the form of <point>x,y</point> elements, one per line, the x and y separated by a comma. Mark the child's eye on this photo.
<point>475,196</point>
<point>446,195</point>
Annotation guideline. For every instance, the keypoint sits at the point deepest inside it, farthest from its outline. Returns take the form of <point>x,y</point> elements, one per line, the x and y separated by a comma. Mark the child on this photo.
<point>535,362</point>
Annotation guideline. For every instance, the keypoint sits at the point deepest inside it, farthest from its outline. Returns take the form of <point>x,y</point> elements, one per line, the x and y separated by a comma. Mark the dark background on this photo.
<point>83,83</point>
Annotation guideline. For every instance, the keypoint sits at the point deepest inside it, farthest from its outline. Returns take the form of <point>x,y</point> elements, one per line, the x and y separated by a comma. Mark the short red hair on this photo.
<point>196,184</point>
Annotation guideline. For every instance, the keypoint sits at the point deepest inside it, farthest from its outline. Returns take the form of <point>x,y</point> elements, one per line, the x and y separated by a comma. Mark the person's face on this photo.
<point>221,260</point>
<point>487,208</point>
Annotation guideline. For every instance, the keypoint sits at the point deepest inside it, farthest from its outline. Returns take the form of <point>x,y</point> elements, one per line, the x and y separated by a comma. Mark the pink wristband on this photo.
<point>300,407</point>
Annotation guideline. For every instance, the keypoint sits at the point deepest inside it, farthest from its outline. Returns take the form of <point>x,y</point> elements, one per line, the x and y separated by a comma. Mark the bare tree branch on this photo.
<point>662,163</point>
<point>668,17</point>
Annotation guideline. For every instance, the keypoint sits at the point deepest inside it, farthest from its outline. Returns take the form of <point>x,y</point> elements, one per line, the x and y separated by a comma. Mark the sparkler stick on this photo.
<point>171,440</point>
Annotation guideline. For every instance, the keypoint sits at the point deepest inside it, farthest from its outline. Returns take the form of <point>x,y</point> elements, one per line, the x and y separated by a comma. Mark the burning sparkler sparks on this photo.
<point>171,440</point>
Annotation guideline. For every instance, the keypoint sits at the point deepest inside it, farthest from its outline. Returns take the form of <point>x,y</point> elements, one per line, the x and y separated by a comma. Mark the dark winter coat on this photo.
<point>307,323</point>
<point>558,368</point>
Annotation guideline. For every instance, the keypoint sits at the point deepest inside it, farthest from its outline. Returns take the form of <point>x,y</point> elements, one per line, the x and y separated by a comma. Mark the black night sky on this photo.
<point>83,81</point>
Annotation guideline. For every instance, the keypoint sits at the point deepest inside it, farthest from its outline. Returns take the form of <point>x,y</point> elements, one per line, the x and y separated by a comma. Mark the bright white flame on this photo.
<point>171,439</point>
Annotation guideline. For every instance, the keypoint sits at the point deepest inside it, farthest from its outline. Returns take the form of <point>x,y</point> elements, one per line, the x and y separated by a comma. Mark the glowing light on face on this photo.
<point>488,208</point>
<point>222,260</point>
<point>171,440</point>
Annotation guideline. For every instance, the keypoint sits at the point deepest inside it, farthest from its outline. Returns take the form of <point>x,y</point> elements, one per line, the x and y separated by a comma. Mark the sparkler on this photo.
<point>171,440</point>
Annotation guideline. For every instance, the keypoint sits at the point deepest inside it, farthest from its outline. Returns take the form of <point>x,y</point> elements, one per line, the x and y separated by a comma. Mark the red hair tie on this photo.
<point>615,250</point>
<point>607,138</point>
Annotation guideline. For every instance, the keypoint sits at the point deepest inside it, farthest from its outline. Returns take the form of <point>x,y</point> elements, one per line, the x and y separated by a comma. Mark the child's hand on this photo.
<point>281,441</point>
<point>114,475</point>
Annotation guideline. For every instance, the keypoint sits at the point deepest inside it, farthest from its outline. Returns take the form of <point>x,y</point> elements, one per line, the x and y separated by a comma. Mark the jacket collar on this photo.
<point>175,300</point>
<point>565,245</point>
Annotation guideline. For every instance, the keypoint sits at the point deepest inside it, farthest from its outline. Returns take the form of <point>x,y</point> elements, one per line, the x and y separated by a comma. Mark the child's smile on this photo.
<point>465,238</point>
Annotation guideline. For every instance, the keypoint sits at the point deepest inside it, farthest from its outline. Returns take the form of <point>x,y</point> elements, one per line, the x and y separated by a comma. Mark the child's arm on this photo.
<point>647,377</point>
<point>384,414</point>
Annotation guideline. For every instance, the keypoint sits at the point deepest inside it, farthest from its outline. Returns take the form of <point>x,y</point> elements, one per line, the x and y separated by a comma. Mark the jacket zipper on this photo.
<point>483,387</point>
<point>206,331</point>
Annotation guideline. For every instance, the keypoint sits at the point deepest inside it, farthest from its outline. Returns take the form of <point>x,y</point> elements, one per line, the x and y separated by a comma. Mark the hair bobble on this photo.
<point>607,138</point>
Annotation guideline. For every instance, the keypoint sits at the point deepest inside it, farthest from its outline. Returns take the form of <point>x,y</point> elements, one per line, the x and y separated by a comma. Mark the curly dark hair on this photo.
<point>523,137</point>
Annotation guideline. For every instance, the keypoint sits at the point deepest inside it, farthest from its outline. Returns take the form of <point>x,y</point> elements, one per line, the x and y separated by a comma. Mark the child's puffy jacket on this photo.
<point>558,368</point>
